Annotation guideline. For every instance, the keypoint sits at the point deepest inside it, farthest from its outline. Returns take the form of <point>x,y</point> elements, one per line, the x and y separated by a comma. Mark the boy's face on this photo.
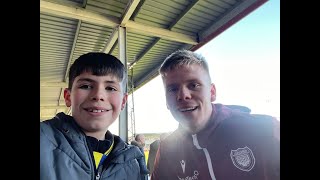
<point>189,94</point>
<point>96,101</point>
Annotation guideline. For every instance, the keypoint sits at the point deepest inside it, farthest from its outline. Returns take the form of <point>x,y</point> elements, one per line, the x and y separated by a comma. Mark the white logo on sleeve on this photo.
<point>183,165</point>
<point>243,158</point>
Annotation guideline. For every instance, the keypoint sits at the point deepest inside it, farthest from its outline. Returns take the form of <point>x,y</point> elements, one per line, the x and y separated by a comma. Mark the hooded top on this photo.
<point>233,145</point>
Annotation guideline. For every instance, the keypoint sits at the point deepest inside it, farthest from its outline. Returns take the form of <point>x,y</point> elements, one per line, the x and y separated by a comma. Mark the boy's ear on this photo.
<point>67,98</point>
<point>124,101</point>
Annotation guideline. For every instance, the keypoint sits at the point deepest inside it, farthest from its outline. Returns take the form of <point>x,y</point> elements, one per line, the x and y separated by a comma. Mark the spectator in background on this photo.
<point>140,143</point>
<point>153,151</point>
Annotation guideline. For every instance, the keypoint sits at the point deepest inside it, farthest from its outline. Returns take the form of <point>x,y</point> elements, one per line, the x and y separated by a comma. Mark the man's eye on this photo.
<point>195,85</point>
<point>111,89</point>
<point>172,89</point>
<point>85,87</point>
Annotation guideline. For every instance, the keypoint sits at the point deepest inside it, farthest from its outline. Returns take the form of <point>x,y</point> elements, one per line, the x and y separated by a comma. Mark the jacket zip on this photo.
<point>206,153</point>
<point>99,171</point>
<point>90,157</point>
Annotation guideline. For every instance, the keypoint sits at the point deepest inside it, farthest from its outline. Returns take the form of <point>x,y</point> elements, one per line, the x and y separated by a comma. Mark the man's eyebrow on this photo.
<point>171,85</point>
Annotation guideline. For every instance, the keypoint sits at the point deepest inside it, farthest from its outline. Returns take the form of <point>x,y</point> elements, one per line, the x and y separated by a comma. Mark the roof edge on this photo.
<point>231,22</point>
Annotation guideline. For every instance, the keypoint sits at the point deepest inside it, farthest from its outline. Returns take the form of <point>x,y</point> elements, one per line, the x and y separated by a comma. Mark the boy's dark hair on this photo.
<point>99,64</point>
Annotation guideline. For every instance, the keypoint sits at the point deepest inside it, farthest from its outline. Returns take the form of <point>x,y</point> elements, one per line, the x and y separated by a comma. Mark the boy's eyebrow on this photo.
<point>85,79</point>
<point>91,80</point>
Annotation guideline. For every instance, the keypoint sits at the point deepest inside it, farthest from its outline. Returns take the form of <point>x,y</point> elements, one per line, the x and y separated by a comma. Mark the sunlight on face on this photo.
<point>189,94</point>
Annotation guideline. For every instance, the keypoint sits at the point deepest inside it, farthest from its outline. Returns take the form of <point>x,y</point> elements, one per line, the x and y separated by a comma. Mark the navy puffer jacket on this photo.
<point>65,155</point>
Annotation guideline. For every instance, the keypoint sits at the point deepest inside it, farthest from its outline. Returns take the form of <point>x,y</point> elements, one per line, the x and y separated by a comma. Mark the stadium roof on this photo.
<point>144,32</point>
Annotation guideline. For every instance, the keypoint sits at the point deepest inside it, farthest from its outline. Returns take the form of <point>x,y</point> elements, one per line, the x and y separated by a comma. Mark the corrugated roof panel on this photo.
<point>56,37</point>
<point>137,44</point>
<point>48,112</point>
<point>110,7</point>
<point>202,15</point>
<point>115,51</point>
<point>217,6</point>
<point>159,13</point>
<point>231,2</point>
<point>91,37</point>
<point>155,57</point>
<point>152,16</point>
<point>49,91</point>
<point>67,2</point>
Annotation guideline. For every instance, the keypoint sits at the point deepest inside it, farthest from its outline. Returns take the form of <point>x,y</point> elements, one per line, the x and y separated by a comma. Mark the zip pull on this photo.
<point>98,176</point>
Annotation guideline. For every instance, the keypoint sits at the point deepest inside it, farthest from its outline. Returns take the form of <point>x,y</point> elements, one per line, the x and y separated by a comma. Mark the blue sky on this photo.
<point>244,62</point>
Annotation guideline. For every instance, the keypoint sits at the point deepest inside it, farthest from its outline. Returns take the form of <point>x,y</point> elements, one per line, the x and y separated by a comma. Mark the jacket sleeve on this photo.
<point>272,150</point>
<point>276,144</point>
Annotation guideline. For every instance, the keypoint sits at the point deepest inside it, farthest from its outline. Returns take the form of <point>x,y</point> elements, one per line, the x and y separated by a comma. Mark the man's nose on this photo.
<point>183,94</point>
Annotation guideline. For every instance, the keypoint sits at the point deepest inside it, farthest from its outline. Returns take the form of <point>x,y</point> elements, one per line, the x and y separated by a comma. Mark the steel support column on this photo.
<point>123,119</point>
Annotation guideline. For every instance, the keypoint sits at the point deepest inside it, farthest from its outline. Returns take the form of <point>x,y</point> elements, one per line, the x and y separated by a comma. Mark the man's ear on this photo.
<point>67,98</point>
<point>124,101</point>
<point>213,92</point>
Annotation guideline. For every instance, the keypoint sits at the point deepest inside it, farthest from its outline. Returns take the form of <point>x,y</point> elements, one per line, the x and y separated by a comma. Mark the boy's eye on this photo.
<point>85,87</point>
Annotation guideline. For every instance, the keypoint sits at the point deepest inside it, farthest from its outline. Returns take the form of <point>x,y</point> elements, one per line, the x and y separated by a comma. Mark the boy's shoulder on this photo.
<point>124,150</point>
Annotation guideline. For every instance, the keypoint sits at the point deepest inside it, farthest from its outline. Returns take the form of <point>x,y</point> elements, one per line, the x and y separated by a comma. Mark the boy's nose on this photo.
<point>98,95</point>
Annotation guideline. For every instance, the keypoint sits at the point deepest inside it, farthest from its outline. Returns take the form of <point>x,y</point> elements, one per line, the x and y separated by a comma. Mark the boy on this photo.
<point>80,146</point>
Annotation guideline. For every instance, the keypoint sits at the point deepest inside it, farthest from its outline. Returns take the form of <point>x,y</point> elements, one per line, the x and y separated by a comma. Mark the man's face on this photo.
<point>189,94</point>
<point>142,139</point>
<point>96,101</point>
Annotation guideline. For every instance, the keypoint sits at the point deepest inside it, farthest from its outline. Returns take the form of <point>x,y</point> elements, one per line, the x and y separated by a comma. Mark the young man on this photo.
<point>80,146</point>
<point>212,140</point>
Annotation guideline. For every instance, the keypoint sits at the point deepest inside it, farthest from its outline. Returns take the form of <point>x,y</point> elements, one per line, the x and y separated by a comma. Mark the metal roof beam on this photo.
<point>190,6</point>
<point>137,10</point>
<point>111,40</point>
<point>53,84</point>
<point>132,5</point>
<point>227,20</point>
<point>53,107</point>
<point>160,32</point>
<point>82,14</point>
<point>72,50</point>
<point>124,19</point>
<point>77,13</point>
<point>227,17</point>
<point>51,102</point>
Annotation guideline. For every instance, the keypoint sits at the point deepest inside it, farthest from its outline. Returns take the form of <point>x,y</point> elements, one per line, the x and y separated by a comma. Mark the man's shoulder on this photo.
<point>155,143</point>
<point>256,118</point>
<point>259,123</point>
<point>172,141</point>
